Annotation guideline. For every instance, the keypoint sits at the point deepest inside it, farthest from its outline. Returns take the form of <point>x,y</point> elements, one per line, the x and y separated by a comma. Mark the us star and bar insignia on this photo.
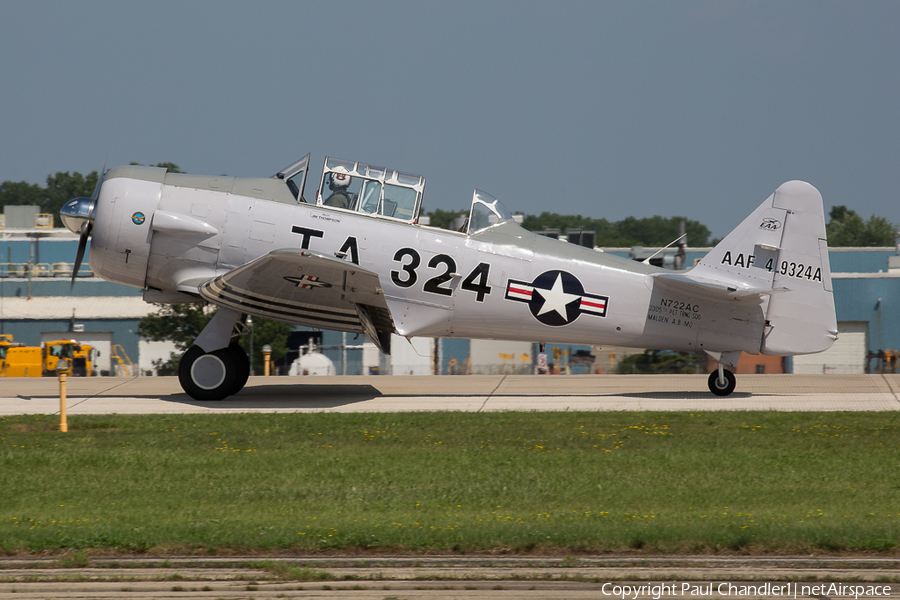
<point>556,298</point>
<point>307,282</point>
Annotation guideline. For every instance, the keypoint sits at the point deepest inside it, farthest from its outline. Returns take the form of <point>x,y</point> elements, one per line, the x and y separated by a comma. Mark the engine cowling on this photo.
<point>120,242</point>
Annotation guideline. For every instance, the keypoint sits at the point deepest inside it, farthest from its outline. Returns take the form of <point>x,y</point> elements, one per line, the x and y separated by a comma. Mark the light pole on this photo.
<point>250,325</point>
<point>267,353</point>
<point>62,369</point>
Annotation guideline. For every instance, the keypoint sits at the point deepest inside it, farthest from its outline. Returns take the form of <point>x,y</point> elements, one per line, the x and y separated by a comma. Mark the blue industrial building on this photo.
<point>36,301</point>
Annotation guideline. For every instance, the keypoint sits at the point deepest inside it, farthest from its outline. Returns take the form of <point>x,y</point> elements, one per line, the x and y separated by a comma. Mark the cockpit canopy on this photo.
<point>371,190</point>
<point>486,212</point>
<point>367,189</point>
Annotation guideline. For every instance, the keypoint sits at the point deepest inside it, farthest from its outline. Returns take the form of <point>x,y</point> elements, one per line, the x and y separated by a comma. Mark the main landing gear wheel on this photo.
<point>211,376</point>
<point>716,387</point>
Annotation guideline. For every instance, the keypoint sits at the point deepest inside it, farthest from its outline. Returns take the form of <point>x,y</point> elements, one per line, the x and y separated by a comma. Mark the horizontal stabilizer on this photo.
<point>712,287</point>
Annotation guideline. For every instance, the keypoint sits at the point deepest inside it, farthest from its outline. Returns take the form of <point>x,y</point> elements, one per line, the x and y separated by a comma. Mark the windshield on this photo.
<point>295,177</point>
<point>486,212</point>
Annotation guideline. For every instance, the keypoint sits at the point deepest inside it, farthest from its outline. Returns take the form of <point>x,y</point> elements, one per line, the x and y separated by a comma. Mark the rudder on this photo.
<point>801,320</point>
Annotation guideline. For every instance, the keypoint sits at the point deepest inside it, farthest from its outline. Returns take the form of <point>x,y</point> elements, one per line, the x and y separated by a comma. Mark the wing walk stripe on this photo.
<point>237,298</point>
<point>293,315</point>
<point>275,300</point>
<point>225,287</point>
<point>309,314</point>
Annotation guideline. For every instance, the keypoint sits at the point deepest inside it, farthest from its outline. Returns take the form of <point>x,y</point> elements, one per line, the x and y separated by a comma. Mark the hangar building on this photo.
<point>37,304</point>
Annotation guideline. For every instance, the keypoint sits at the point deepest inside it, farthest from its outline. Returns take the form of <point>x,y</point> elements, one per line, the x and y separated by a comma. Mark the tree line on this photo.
<point>649,231</point>
<point>845,227</point>
<point>60,188</point>
<point>182,323</point>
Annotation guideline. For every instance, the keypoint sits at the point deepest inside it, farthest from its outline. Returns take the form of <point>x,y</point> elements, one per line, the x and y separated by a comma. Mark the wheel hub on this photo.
<point>208,372</point>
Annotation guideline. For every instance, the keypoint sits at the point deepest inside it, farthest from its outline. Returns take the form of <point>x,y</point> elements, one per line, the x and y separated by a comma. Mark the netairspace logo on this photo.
<point>786,590</point>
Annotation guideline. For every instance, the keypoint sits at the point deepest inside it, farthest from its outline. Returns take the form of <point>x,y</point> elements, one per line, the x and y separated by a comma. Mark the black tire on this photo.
<point>243,366</point>
<point>719,390</point>
<point>209,376</point>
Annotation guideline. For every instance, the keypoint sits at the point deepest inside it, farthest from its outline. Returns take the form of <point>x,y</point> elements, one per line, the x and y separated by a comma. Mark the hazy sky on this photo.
<point>605,109</point>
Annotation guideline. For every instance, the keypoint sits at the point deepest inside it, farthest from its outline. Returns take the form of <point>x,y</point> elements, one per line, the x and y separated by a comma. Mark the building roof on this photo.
<point>65,307</point>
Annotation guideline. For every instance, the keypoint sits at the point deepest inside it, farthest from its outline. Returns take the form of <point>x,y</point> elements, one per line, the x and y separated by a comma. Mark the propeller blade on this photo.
<point>100,176</point>
<point>82,246</point>
<point>78,216</point>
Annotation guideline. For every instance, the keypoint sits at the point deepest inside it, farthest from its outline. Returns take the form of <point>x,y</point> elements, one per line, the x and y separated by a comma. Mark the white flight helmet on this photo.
<point>339,180</point>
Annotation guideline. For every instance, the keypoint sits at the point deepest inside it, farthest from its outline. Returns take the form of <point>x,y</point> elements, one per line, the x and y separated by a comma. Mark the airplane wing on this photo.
<point>307,288</point>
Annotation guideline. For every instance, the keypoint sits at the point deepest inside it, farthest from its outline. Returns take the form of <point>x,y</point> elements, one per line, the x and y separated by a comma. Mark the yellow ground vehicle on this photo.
<point>19,360</point>
<point>80,357</point>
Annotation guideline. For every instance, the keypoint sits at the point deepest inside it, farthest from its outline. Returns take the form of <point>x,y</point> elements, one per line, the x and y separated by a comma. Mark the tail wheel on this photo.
<point>208,376</point>
<point>717,387</point>
<point>243,366</point>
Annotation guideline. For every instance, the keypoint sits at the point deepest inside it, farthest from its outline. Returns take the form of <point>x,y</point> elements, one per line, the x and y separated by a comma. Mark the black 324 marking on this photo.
<point>409,268</point>
<point>440,284</point>
<point>434,284</point>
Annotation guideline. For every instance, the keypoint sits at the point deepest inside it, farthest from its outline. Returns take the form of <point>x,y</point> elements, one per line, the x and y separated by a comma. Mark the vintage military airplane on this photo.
<point>354,258</point>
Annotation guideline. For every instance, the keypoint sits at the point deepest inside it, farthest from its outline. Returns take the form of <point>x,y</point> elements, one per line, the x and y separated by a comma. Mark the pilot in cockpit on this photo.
<point>338,184</point>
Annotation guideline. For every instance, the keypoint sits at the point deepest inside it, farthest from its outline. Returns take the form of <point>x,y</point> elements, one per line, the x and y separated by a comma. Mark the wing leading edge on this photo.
<point>307,288</point>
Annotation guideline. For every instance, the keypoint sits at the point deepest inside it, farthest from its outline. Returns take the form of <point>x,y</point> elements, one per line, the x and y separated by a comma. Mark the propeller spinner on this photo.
<point>78,217</point>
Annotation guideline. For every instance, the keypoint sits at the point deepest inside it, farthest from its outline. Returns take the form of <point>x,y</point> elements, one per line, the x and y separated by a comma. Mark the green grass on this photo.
<point>729,482</point>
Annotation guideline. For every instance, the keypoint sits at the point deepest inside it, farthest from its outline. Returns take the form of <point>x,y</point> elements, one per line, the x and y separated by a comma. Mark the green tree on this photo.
<point>178,323</point>
<point>660,231</point>
<point>62,187</point>
<point>266,331</point>
<point>20,193</point>
<point>172,167</point>
<point>652,362</point>
<point>648,231</point>
<point>444,218</point>
<point>847,228</point>
<point>182,323</point>
<point>880,232</point>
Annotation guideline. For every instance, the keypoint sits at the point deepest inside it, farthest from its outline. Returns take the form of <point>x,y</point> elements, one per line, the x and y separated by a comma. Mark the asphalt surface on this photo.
<point>457,577</point>
<point>154,395</point>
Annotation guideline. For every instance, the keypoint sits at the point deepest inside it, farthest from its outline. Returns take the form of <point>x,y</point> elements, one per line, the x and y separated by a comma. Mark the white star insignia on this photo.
<point>556,299</point>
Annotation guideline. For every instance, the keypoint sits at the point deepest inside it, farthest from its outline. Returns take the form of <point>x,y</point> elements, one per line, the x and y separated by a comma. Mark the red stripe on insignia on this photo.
<point>594,304</point>
<point>516,290</point>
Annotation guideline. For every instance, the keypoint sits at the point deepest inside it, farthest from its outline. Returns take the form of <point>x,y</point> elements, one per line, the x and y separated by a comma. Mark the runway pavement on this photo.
<point>156,395</point>
<point>472,578</point>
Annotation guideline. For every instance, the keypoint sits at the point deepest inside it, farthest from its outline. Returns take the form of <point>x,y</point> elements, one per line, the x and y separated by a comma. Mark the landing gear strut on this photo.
<point>722,381</point>
<point>222,372</point>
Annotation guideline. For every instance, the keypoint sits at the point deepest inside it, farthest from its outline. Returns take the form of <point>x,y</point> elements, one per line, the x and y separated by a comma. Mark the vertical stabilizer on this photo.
<point>780,251</point>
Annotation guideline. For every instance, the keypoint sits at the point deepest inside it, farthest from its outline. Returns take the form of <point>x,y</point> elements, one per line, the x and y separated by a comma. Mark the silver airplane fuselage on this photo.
<point>256,247</point>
